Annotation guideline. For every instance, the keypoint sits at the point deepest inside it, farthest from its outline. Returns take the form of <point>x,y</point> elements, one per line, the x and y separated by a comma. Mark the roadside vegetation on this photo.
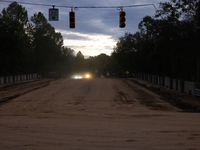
<point>166,44</point>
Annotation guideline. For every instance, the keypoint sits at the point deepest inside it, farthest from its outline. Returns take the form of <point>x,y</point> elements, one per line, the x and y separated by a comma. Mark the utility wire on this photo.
<point>118,7</point>
<point>25,3</point>
<point>81,6</point>
<point>115,6</point>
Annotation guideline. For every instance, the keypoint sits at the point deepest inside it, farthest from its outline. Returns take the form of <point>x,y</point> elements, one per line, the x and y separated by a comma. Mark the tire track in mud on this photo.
<point>121,95</point>
<point>184,102</point>
<point>10,92</point>
<point>144,97</point>
<point>82,92</point>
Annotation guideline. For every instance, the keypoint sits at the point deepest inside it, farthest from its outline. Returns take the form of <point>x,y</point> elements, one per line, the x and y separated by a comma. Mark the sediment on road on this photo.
<point>98,113</point>
<point>183,101</point>
<point>186,102</point>
<point>14,90</point>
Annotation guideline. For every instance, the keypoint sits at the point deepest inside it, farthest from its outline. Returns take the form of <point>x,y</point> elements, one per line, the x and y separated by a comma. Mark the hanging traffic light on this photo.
<point>72,19</point>
<point>122,19</point>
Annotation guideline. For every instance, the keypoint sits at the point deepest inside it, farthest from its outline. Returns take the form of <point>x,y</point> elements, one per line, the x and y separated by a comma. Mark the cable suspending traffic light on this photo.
<point>122,19</point>
<point>72,19</point>
<point>53,15</point>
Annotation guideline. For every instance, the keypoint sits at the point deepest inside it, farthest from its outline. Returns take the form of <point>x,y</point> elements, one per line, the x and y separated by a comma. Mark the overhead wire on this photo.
<point>80,6</point>
<point>118,7</point>
<point>25,3</point>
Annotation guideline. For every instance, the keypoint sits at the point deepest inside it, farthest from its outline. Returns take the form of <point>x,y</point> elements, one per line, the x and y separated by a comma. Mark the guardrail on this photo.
<point>179,85</point>
<point>197,92</point>
<point>17,78</point>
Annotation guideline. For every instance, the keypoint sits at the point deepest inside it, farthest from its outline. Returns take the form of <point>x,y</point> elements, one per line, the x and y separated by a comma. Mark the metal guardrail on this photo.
<point>17,78</point>
<point>197,92</point>
<point>179,85</point>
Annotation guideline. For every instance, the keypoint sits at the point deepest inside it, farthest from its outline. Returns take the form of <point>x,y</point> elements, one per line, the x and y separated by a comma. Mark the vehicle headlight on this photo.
<point>77,77</point>
<point>87,76</point>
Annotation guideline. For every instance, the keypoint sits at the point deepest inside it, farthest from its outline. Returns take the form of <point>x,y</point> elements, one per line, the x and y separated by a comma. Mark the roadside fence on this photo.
<point>17,78</point>
<point>179,85</point>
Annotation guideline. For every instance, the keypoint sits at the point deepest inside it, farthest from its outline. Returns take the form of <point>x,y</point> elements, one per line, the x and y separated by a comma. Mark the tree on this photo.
<point>67,61</point>
<point>179,36</point>
<point>146,28</point>
<point>168,46</point>
<point>16,52</point>
<point>99,65</point>
<point>79,63</point>
<point>46,43</point>
<point>16,12</point>
<point>125,50</point>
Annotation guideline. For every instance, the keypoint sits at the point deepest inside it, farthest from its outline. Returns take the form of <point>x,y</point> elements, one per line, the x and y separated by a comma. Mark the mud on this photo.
<point>93,114</point>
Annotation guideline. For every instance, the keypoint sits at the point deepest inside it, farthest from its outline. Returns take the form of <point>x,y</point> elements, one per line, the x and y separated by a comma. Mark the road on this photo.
<point>94,114</point>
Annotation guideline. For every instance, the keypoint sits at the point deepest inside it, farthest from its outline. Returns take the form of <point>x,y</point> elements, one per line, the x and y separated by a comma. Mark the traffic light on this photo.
<point>72,19</point>
<point>122,19</point>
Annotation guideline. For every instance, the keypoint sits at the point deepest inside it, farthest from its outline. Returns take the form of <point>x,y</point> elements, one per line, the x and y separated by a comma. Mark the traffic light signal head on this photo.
<point>72,19</point>
<point>122,19</point>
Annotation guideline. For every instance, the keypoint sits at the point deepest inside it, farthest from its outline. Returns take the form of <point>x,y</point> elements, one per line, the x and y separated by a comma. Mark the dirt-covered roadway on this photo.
<point>92,114</point>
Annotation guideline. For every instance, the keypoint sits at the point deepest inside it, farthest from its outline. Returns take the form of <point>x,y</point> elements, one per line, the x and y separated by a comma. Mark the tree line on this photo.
<point>33,46</point>
<point>27,46</point>
<point>166,44</point>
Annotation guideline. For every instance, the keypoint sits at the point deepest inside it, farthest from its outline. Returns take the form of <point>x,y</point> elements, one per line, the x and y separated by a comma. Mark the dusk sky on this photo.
<point>97,29</point>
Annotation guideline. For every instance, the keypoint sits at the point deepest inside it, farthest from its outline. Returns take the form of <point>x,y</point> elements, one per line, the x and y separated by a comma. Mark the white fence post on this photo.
<point>11,79</point>
<point>2,80</point>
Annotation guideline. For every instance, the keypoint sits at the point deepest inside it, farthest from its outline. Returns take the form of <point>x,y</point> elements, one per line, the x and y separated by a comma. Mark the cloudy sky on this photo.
<point>97,29</point>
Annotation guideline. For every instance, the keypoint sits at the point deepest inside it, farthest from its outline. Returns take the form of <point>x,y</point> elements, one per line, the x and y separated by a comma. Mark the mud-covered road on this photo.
<point>93,114</point>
